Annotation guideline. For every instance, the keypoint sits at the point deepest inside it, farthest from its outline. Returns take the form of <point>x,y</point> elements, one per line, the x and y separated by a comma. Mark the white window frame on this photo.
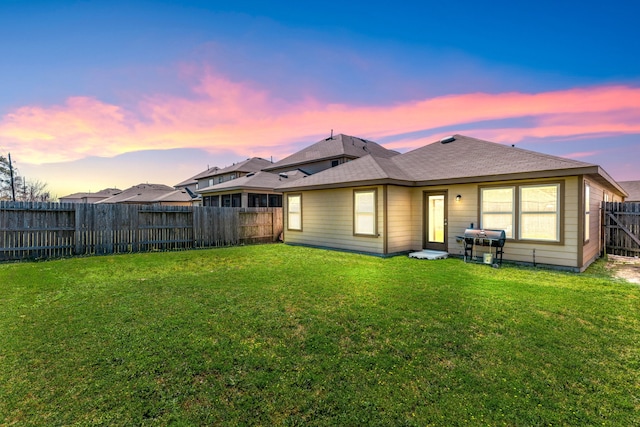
<point>510,234</point>
<point>556,213</point>
<point>587,211</point>
<point>294,212</point>
<point>365,212</point>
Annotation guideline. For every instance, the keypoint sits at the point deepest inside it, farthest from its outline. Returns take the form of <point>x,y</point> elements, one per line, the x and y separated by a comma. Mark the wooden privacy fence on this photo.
<point>622,228</point>
<point>53,230</point>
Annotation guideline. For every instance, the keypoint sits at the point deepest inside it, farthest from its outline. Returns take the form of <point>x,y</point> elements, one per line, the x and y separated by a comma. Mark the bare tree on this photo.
<point>5,179</point>
<point>24,190</point>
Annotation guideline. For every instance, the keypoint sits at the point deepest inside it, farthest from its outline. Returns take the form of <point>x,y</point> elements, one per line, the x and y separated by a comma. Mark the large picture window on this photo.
<point>294,212</point>
<point>524,212</point>
<point>540,212</point>
<point>498,209</point>
<point>365,212</point>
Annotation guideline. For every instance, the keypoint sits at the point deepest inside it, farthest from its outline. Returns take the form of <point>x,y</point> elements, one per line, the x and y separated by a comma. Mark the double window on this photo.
<point>524,212</point>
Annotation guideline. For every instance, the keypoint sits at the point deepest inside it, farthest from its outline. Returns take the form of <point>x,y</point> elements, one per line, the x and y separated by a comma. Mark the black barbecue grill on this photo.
<point>493,239</point>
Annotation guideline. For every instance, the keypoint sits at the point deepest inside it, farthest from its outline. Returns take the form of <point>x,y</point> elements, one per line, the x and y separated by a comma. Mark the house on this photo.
<point>150,194</point>
<point>207,181</point>
<point>89,197</point>
<point>242,186</point>
<point>633,189</point>
<point>426,198</point>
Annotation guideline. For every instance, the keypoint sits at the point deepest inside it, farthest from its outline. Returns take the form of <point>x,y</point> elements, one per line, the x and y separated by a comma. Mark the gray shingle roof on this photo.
<point>632,188</point>
<point>266,181</point>
<point>338,146</point>
<point>467,157</point>
<point>464,159</point>
<point>149,193</point>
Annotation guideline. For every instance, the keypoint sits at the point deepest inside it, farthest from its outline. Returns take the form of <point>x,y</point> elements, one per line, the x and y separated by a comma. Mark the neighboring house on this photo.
<point>426,198</point>
<point>207,181</point>
<point>328,153</point>
<point>191,184</point>
<point>253,190</point>
<point>151,194</point>
<point>633,189</point>
<point>228,188</point>
<point>216,175</point>
<point>89,197</point>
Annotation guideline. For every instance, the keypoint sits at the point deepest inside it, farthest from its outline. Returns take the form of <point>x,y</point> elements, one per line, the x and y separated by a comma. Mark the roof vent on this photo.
<point>447,139</point>
<point>283,175</point>
<point>250,174</point>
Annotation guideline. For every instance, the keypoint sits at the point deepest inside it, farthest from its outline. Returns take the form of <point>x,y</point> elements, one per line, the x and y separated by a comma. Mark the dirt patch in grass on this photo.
<point>626,268</point>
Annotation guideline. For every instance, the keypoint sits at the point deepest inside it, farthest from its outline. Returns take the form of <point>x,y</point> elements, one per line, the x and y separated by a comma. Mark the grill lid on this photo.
<point>474,233</point>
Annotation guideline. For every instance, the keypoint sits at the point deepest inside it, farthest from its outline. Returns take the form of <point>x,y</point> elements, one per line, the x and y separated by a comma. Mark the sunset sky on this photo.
<point>98,94</point>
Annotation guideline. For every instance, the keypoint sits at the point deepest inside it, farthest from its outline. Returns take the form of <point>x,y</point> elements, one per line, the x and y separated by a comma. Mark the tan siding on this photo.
<point>593,248</point>
<point>462,214</point>
<point>327,221</point>
<point>400,232</point>
<point>327,218</point>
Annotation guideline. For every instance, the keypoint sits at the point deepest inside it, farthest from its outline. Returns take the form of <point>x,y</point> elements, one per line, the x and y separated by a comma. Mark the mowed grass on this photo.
<point>280,335</point>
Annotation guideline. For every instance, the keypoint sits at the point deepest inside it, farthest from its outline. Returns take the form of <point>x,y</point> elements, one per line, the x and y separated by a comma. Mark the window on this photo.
<point>364,212</point>
<point>257,200</point>
<point>540,212</point>
<point>587,211</point>
<point>275,200</point>
<point>498,209</point>
<point>210,182</point>
<point>334,163</point>
<point>524,212</point>
<point>294,212</point>
<point>210,201</point>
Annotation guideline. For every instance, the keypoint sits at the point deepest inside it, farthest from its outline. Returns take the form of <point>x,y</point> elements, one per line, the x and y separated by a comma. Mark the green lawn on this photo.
<point>279,335</point>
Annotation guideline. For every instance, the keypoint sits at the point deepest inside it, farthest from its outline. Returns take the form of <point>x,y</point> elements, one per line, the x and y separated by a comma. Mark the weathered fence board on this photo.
<point>622,228</point>
<point>53,230</point>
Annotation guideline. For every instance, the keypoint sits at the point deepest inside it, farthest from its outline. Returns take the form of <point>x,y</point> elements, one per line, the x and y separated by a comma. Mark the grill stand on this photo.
<point>471,242</point>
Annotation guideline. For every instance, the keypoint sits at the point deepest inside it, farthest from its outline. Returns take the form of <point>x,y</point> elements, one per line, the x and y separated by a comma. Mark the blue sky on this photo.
<point>88,86</point>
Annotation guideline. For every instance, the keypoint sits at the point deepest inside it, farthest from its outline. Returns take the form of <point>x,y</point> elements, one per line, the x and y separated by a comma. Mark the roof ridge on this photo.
<point>536,153</point>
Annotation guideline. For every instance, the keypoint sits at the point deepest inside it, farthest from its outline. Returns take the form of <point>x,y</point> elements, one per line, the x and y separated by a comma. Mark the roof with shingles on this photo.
<point>107,192</point>
<point>258,181</point>
<point>467,157</point>
<point>464,159</point>
<point>334,147</point>
<point>633,188</point>
<point>149,193</point>
<point>253,164</point>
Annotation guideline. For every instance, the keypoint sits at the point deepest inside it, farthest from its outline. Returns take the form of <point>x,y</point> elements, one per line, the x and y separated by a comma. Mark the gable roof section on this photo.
<point>462,160</point>
<point>330,148</point>
<point>633,189</point>
<point>368,170</point>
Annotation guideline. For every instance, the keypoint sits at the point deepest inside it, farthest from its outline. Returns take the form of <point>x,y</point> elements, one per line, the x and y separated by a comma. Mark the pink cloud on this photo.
<point>238,116</point>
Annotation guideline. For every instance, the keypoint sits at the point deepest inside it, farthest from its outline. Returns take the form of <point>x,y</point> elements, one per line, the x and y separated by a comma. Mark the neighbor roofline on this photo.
<point>235,188</point>
<point>320,159</point>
